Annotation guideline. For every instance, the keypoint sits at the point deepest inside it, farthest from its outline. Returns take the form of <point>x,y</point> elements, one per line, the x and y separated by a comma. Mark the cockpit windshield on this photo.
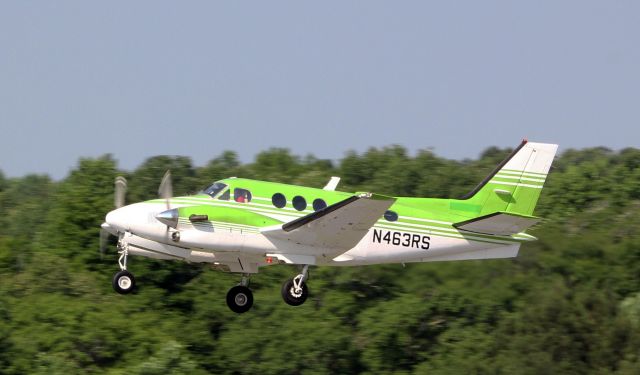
<point>214,189</point>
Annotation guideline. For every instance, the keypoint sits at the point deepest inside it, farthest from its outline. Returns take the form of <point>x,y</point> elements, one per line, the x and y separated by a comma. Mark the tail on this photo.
<point>515,185</point>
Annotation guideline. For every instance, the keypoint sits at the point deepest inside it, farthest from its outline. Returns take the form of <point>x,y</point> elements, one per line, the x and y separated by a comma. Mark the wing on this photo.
<point>339,226</point>
<point>498,223</point>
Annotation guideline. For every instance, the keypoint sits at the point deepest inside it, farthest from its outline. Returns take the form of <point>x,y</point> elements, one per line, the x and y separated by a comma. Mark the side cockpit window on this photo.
<point>215,189</point>
<point>225,196</point>
<point>241,195</point>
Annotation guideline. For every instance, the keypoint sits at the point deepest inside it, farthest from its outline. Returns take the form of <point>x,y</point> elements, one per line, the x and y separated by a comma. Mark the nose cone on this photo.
<point>132,217</point>
<point>140,219</point>
<point>117,219</point>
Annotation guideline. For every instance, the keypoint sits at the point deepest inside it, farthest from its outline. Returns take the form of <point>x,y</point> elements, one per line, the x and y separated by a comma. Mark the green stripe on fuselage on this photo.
<point>423,215</point>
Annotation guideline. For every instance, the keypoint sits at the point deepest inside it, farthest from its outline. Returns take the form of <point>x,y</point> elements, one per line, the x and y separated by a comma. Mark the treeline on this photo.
<point>570,303</point>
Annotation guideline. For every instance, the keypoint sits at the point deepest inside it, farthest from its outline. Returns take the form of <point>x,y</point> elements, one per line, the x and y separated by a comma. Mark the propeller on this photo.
<point>168,217</point>
<point>119,193</point>
<point>165,190</point>
<point>104,239</point>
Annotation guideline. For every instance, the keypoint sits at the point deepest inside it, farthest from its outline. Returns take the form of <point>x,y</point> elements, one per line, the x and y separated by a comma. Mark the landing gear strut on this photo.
<point>295,291</point>
<point>123,281</point>
<point>240,297</point>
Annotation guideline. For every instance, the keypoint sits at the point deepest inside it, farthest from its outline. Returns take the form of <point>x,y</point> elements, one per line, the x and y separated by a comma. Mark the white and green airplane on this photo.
<point>240,225</point>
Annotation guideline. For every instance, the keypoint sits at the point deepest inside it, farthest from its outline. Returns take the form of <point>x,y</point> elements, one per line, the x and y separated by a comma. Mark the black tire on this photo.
<point>123,282</point>
<point>240,299</point>
<point>290,297</point>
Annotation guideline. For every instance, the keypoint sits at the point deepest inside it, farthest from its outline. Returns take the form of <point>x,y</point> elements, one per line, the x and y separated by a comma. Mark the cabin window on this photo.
<point>319,204</point>
<point>225,196</point>
<point>299,203</point>
<point>214,189</point>
<point>279,200</point>
<point>391,216</point>
<point>241,195</point>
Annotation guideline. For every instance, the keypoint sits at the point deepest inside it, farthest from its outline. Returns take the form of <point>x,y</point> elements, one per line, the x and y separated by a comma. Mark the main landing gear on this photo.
<point>240,297</point>
<point>123,281</point>
<point>295,291</point>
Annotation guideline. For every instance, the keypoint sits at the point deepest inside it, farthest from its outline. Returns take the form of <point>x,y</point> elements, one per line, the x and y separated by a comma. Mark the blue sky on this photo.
<point>138,79</point>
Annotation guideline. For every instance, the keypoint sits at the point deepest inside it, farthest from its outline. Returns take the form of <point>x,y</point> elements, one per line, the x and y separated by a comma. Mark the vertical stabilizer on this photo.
<point>515,185</point>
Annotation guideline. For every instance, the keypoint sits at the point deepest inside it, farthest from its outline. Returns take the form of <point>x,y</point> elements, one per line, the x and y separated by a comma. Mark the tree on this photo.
<point>3,181</point>
<point>275,164</point>
<point>223,166</point>
<point>79,206</point>
<point>144,182</point>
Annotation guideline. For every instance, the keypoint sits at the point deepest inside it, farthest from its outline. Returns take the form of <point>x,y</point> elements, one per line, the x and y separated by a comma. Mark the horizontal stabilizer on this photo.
<point>339,226</point>
<point>498,223</point>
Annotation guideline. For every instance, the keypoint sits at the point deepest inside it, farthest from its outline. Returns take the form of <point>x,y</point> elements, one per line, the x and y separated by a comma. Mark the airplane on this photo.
<point>240,225</point>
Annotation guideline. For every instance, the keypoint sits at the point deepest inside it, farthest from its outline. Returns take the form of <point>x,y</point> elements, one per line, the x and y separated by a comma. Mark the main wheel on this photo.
<point>293,297</point>
<point>123,282</point>
<point>239,299</point>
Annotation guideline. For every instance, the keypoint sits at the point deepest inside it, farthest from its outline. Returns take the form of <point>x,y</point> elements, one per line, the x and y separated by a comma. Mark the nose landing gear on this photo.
<point>123,281</point>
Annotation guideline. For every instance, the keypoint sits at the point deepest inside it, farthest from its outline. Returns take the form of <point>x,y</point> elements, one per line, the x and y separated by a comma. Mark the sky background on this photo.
<point>144,78</point>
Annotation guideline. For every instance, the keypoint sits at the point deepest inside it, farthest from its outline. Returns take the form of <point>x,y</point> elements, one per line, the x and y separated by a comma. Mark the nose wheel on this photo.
<point>123,281</point>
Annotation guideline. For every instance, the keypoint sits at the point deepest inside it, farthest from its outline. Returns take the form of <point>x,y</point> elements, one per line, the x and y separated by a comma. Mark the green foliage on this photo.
<point>144,182</point>
<point>570,303</point>
<point>3,181</point>
<point>275,164</point>
<point>78,208</point>
<point>171,358</point>
<point>223,166</point>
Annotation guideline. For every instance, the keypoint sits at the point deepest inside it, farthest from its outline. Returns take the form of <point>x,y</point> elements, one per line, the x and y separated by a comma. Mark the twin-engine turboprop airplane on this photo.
<point>240,225</point>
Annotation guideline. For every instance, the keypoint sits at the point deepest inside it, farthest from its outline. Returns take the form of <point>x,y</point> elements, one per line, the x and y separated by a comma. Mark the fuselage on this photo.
<point>224,225</point>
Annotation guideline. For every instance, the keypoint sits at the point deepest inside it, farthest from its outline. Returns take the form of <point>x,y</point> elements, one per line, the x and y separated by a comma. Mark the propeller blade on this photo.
<point>120,191</point>
<point>166,189</point>
<point>104,239</point>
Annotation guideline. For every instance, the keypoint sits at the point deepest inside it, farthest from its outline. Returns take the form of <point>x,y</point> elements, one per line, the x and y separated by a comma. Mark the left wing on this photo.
<point>339,226</point>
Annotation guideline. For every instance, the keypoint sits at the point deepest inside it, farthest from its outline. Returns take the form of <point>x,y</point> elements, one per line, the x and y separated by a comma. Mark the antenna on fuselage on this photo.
<point>332,184</point>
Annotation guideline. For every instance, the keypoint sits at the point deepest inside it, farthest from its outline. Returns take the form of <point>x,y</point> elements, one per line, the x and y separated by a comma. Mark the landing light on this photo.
<point>175,236</point>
